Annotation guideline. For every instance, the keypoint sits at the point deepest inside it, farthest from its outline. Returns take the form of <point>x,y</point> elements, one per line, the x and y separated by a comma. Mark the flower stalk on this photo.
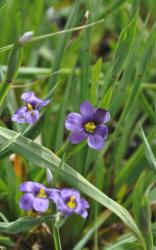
<point>42,37</point>
<point>56,237</point>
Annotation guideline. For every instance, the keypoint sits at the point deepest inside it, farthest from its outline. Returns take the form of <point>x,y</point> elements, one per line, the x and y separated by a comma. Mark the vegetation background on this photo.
<point>112,64</point>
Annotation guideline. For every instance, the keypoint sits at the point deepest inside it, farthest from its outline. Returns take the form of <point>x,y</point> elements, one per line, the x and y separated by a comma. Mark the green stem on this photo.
<point>38,38</point>
<point>56,237</point>
<point>76,149</point>
<point>96,215</point>
<point>62,149</point>
<point>96,230</point>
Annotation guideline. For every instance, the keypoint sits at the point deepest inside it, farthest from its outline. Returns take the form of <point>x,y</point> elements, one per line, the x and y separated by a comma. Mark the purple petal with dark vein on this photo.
<point>37,103</point>
<point>30,187</point>
<point>32,116</point>
<point>20,118</point>
<point>74,121</point>
<point>26,201</point>
<point>77,136</point>
<point>87,110</point>
<point>95,141</point>
<point>101,130</point>
<point>43,103</point>
<point>40,204</point>
<point>27,96</point>
<point>101,115</point>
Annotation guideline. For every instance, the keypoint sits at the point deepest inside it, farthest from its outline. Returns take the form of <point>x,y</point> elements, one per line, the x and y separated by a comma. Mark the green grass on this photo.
<point>109,60</point>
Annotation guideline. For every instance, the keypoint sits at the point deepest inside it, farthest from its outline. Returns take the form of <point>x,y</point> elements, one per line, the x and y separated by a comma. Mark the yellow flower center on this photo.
<point>90,127</point>
<point>42,193</point>
<point>30,107</point>
<point>71,202</point>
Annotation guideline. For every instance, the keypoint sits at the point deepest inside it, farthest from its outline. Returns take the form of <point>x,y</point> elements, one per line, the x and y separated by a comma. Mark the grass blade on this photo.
<point>149,154</point>
<point>23,224</point>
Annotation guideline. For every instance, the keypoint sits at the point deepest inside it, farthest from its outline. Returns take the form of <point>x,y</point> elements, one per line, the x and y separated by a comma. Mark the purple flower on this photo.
<point>36,196</point>
<point>89,124</point>
<point>30,112</point>
<point>68,201</point>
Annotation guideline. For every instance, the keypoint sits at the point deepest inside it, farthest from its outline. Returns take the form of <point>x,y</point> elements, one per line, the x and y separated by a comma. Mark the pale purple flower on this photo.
<point>30,112</point>
<point>36,196</point>
<point>69,201</point>
<point>89,124</point>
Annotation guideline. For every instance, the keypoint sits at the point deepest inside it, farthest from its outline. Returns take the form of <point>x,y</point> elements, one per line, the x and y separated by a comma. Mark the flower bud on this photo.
<point>26,37</point>
<point>51,14</point>
<point>49,176</point>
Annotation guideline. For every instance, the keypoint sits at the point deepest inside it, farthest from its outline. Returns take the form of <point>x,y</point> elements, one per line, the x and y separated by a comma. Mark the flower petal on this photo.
<point>20,118</point>
<point>82,205</point>
<point>40,204</point>
<point>26,201</point>
<point>74,121</point>
<point>82,209</point>
<point>101,115</point>
<point>68,192</point>
<point>43,103</point>
<point>37,103</point>
<point>77,136</point>
<point>87,110</point>
<point>84,213</point>
<point>95,141</point>
<point>102,131</point>
<point>53,194</point>
<point>30,187</point>
<point>27,96</point>
<point>62,207</point>
<point>21,110</point>
<point>32,116</point>
<point>19,115</point>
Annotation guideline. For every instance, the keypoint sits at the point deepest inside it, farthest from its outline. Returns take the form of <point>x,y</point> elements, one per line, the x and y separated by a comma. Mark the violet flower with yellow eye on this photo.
<point>36,196</point>
<point>89,124</point>
<point>69,201</point>
<point>30,112</point>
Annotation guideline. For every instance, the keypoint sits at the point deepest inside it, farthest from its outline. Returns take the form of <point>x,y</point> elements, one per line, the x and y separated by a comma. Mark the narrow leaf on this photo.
<point>149,154</point>
<point>23,224</point>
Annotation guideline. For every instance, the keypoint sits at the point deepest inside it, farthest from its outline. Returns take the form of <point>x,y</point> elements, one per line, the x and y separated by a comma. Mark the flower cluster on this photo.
<point>37,196</point>
<point>89,124</point>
